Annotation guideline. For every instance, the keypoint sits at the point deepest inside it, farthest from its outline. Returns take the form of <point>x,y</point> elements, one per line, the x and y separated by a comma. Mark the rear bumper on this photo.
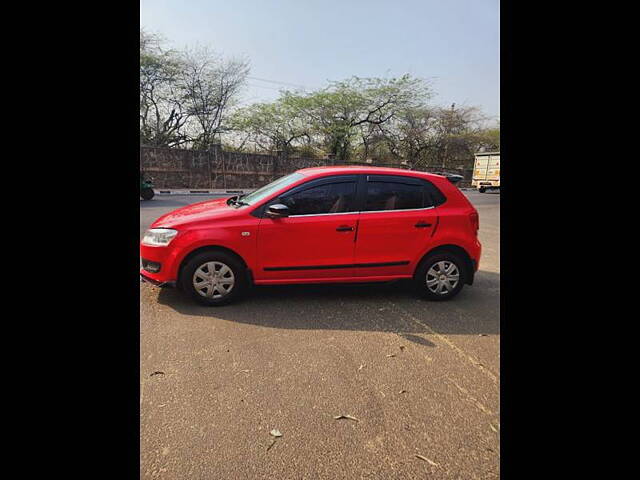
<point>472,273</point>
<point>474,258</point>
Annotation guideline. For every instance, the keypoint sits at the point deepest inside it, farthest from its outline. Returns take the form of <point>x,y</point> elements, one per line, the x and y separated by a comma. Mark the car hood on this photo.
<point>208,210</point>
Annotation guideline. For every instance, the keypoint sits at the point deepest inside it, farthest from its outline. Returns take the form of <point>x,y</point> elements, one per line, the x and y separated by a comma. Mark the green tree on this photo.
<point>460,133</point>
<point>273,126</point>
<point>491,139</point>
<point>339,113</point>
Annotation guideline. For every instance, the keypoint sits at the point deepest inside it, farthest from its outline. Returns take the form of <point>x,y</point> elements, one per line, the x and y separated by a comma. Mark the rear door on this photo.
<point>481,167</point>
<point>396,222</point>
<point>493,169</point>
<point>317,239</point>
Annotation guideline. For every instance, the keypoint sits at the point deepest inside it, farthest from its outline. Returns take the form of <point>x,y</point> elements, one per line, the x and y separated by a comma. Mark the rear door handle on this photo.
<point>344,228</point>
<point>422,225</point>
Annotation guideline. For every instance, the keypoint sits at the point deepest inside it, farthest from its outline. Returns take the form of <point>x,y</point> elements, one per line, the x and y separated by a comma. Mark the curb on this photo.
<point>168,191</point>
<point>218,191</point>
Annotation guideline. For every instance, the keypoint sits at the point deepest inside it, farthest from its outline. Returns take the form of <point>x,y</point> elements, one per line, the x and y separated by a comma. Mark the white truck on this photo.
<point>486,171</point>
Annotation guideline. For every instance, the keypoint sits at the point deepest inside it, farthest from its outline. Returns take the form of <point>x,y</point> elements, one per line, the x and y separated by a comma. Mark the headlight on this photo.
<point>159,237</point>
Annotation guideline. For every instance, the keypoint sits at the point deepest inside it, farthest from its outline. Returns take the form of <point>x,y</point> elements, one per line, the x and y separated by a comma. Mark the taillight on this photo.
<point>475,221</point>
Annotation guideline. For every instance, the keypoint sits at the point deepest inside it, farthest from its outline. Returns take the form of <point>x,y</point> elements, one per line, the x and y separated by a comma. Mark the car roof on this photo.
<point>363,170</point>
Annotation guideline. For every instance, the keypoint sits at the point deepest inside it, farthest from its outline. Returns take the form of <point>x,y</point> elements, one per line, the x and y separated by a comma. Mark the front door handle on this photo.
<point>422,225</point>
<point>344,228</point>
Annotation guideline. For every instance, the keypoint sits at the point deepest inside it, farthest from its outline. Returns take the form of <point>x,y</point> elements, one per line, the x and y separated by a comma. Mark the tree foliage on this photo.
<point>273,127</point>
<point>382,120</point>
<point>162,116</point>
<point>210,85</point>
<point>190,98</point>
<point>185,96</point>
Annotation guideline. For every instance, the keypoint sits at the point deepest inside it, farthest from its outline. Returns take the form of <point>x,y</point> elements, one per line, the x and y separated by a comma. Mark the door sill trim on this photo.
<point>331,267</point>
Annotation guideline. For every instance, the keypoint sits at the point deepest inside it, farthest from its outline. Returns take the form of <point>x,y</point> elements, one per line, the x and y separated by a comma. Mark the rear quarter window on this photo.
<point>434,194</point>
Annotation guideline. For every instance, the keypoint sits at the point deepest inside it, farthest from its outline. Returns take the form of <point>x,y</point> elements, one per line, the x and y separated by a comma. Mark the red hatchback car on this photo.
<point>319,225</point>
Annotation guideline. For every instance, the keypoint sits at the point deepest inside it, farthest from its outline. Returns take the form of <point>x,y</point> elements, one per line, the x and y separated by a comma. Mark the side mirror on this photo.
<point>277,211</point>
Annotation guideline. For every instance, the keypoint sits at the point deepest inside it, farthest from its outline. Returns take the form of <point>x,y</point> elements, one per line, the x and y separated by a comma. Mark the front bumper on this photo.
<point>144,276</point>
<point>159,264</point>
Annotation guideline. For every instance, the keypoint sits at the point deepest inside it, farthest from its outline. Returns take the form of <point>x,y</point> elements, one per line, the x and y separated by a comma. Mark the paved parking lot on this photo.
<point>421,378</point>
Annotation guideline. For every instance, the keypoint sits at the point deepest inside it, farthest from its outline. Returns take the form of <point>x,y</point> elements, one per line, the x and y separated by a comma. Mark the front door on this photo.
<point>317,239</point>
<point>395,225</point>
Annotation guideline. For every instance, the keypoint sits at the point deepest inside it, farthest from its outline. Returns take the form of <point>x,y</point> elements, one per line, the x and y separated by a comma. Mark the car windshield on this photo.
<point>263,192</point>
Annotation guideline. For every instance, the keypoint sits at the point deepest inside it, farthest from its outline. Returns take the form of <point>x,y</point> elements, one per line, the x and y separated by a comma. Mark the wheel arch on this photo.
<point>457,250</point>
<point>210,248</point>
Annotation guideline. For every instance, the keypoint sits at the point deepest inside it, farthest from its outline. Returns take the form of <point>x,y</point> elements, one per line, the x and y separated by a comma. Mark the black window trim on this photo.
<point>361,181</point>
<point>427,192</point>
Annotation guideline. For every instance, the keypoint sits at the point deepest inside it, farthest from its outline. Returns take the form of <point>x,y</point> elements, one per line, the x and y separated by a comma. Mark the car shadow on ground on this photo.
<point>389,307</point>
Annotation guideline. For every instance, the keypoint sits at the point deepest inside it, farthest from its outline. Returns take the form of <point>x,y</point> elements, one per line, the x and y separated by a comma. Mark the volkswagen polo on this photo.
<point>319,225</point>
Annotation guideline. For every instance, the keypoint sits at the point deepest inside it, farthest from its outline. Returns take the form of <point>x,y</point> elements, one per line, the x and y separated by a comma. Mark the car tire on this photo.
<point>214,289</point>
<point>433,285</point>
<point>482,190</point>
<point>147,193</point>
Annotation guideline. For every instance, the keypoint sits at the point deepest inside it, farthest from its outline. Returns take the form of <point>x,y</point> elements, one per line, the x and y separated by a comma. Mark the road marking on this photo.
<point>453,346</point>
<point>474,400</point>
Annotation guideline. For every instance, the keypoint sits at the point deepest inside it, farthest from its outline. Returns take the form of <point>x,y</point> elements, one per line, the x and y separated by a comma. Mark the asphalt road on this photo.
<point>421,378</point>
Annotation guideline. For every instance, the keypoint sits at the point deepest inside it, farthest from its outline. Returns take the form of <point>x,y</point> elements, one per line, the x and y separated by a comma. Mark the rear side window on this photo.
<point>327,198</point>
<point>394,196</point>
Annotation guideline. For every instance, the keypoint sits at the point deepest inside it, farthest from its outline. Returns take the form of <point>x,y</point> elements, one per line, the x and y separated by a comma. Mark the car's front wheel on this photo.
<point>214,278</point>
<point>440,276</point>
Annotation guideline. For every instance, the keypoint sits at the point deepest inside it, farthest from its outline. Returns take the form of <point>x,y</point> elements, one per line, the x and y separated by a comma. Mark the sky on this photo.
<point>306,43</point>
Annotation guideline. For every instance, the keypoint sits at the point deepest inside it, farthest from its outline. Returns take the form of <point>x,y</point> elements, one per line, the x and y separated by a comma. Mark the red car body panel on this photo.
<point>305,241</point>
<point>304,249</point>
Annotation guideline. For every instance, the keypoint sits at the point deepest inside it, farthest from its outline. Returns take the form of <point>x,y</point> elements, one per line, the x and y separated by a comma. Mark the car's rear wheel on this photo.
<point>440,276</point>
<point>214,278</point>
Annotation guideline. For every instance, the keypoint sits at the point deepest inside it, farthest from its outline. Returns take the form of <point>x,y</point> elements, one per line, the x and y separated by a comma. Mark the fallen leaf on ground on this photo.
<point>493,428</point>
<point>275,433</point>
<point>430,462</point>
<point>402,347</point>
<point>349,417</point>
<point>156,373</point>
<point>402,391</point>
<point>361,367</point>
<point>273,442</point>
<point>391,355</point>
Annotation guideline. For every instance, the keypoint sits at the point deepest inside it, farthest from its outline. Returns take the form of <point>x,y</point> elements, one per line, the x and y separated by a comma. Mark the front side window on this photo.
<point>328,198</point>
<point>393,196</point>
